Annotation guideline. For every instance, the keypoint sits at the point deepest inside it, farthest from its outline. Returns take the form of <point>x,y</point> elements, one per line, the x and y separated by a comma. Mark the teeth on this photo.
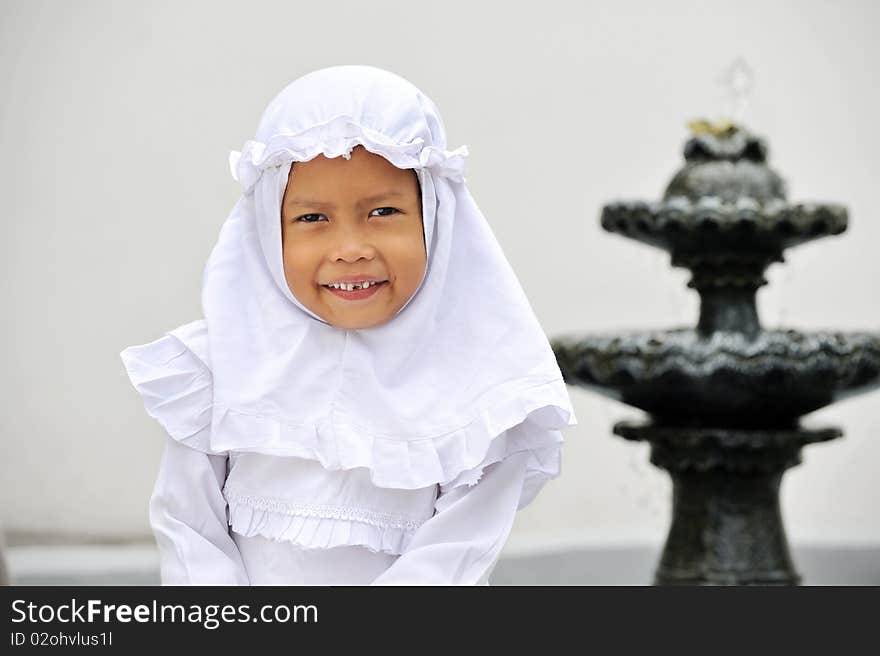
<point>351,286</point>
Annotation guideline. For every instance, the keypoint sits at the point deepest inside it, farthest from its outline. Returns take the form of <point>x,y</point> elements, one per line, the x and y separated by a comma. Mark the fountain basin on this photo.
<point>684,378</point>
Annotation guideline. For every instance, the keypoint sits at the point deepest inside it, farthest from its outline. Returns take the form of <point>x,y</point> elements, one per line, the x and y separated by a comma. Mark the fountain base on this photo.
<point>726,524</point>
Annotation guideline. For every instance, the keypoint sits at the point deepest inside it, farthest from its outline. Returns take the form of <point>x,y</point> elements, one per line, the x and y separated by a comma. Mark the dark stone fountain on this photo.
<point>724,398</point>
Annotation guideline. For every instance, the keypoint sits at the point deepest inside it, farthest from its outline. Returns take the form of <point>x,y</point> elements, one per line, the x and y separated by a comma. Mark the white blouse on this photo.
<point>242,520</point>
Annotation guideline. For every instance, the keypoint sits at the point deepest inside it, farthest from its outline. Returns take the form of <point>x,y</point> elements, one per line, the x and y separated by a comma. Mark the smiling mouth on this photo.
<point>368,282</point>
<point>356,294</point>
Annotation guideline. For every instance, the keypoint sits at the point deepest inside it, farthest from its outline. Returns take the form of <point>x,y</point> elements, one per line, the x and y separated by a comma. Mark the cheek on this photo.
<point>298,265</point>
<point>410,259</point>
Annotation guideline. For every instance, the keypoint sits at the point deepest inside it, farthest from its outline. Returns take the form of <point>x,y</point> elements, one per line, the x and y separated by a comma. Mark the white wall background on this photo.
<point>116,124</point>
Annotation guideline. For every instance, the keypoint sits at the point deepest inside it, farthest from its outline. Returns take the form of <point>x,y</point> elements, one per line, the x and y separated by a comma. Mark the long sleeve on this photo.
<point>188,515</point>
<point>461,543</point>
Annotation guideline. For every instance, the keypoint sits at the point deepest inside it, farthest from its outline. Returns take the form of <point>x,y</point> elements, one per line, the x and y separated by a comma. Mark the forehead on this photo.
<point>364,173</point>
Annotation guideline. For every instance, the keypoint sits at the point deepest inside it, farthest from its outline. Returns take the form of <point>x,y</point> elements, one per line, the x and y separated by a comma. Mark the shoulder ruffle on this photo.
<point>319,526</point>
<point>544,460</point>
<point>338,137</point>
<point>173,376</point>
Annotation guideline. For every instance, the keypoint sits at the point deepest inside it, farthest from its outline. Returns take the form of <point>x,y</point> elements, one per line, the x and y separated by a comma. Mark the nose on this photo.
<point>353,243</point>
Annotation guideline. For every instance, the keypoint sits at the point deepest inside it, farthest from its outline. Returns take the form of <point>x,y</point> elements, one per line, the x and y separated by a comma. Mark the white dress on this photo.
<point>208,533</point>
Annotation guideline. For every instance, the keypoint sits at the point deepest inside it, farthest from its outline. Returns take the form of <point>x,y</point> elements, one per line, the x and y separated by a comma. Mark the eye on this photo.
<point>393,210</point>
<point>305,218</point>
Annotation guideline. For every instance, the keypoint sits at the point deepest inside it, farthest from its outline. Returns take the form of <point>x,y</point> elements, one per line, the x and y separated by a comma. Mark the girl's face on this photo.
<point>352,220</point>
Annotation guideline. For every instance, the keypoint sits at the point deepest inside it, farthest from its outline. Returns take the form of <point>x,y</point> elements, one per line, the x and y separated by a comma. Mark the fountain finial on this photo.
<point>720,128</point>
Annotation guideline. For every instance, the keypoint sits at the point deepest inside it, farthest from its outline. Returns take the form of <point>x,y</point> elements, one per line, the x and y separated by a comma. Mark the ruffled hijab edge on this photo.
<point>173,376</point>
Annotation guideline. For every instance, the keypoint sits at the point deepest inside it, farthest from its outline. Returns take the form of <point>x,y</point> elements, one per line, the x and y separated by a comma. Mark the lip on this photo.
<point>356,294</point>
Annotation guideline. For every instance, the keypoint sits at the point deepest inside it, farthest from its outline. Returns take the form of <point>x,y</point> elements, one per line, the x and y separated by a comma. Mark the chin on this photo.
<point>361,324</point>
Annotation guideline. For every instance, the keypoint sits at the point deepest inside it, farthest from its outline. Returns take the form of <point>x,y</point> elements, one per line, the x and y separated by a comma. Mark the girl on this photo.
<point>369,398</point>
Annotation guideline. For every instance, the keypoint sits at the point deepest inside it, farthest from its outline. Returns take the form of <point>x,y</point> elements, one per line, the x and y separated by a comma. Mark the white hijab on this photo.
<point>418,400</point>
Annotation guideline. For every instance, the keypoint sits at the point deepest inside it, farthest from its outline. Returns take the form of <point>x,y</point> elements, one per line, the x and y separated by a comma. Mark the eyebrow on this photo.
<point>305,202</point>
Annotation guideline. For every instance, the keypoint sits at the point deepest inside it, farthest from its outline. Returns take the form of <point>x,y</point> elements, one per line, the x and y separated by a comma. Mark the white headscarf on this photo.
<point>421,399</point>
